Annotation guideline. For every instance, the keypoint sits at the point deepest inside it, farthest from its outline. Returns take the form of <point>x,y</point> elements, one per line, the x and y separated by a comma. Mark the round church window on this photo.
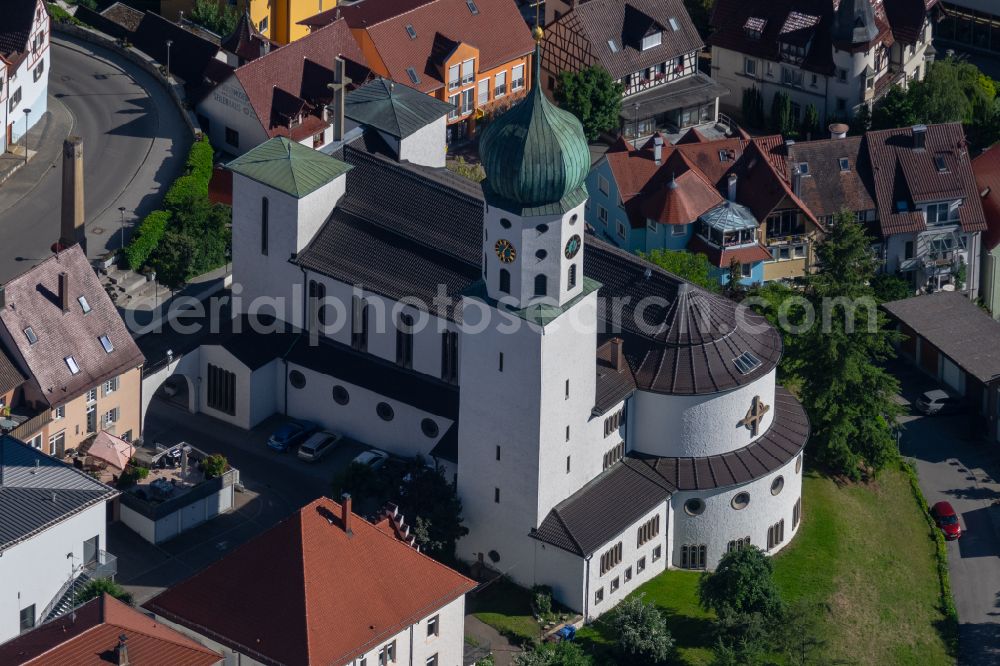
<point>741,501</point>
<point>340,395</point>
<point>297,379</point>
<point>573,217</point>
<point>777,485</point>
<point>494,556</point>
<point>384,411</point>
<point>429,428</point>
<point>505,223</point>
<point>542,228</point>
<point>694,507</point>
<point>541,254</point>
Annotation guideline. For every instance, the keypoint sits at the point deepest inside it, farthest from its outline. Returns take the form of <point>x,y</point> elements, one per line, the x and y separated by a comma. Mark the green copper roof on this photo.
<point>289,167</point>
<point>393,108</point>
<point>535,154</point>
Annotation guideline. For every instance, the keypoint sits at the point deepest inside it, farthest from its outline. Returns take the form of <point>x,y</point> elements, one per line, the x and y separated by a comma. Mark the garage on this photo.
<point>951,375</point>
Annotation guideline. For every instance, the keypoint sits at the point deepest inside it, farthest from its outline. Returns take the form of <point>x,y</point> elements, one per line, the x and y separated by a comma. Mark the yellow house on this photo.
<point>279,19</point>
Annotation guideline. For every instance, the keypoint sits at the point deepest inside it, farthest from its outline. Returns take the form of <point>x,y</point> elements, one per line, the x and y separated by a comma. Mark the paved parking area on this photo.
<point>276,484</point>
<point>964,471</point>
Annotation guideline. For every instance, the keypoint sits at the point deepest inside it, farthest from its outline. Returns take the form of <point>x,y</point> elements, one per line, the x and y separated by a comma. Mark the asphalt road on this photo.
<point>964,472</point>
<point>135,143</point>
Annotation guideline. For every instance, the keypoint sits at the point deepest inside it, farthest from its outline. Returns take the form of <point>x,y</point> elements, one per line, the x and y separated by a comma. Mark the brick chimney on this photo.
<point>64,291</point>
<point>345,512</point>
<point>732,187</point>
<point>618,354</point>
<point>121,651</point>
<point>71,230</point>
<point>919,136</point>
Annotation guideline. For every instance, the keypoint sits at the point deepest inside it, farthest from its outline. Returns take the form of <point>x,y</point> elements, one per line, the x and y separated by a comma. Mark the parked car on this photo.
<point>289,434</point>
<point>372,457</point>
<point>938,401</point>
<point>318,445</point>
<point>946,518</point>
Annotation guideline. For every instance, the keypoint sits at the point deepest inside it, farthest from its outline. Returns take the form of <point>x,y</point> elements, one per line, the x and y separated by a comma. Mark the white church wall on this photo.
<point>564,572</point>
<point>358,419</point>
<point>701,425</point>
<point>264,384</point>
<point>245,386</point>
<point>633,555</point>
<point>427,146</point>
<point>721,523</point>
<point>229,107</point>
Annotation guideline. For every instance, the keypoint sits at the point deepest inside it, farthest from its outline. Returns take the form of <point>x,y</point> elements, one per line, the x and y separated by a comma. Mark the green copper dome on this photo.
<point>535,154</point>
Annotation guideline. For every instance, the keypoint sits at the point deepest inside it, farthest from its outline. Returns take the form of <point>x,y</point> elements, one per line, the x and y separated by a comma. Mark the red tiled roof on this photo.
<point>903,174</point>
<point>18,19</point>
<point>681,199</point>
<point>498,31</point>
<point>986,168</point>
<point>89,636</point>
<point>692,136</point>
<point>306,591</point>
<point>723,257</point>
<point>828,189</point>
<point>762,186</point>
<point>300,71</point>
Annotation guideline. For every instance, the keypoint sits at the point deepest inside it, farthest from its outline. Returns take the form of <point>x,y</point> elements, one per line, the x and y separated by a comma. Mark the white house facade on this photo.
<point>24,68</point>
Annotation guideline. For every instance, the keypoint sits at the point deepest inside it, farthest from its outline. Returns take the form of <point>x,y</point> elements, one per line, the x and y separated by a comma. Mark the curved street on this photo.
<point>135,143</point>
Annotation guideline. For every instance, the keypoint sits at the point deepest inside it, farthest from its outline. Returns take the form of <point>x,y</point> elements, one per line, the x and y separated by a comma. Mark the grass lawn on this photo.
<point>863,555</point>
<point>507,608</point>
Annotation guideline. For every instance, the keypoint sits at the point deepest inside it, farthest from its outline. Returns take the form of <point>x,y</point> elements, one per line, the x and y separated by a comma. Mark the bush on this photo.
<point>146,238</point>
<point>201,159</point>
<point>541,601</point>
<point>643,637</point>
<point>100,586</point>
<point>214,465</point>
<point>132,475</point>
<point>554,654</point>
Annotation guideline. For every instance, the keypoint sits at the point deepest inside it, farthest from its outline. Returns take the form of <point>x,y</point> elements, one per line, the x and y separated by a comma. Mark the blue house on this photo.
<point>684,197</point>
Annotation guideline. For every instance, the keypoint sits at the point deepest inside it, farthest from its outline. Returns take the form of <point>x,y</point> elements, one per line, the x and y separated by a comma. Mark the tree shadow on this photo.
<point>979,644</point>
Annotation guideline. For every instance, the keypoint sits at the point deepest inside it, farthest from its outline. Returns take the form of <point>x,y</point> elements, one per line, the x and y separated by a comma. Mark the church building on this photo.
<point>605,420</point>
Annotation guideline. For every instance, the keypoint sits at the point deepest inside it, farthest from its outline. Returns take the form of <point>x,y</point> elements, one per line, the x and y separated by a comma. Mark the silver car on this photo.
<point>318,445</point>
<point>938,402</point>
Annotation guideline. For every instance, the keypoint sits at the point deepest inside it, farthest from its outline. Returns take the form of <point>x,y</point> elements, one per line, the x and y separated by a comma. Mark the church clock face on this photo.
<point>572,246</point>
<point>505,251</point>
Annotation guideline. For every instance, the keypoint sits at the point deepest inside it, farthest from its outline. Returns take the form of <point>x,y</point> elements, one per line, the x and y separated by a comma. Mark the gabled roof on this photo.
<point>32,301</point>
<point>334,596</point>
<point>393,108</point>
<point>986,168</point>
<point>905,175</point>
<point>612,31</point>
<point>723,257</point>
<point>89,635</point>
<point>38,491</point>
<point>497,30</point>
<point>828,189</point>
<point>288,166</point>
<point>10,376</point>
<point>245,41</point>
<point>300,70</point>
<point>18,19</point>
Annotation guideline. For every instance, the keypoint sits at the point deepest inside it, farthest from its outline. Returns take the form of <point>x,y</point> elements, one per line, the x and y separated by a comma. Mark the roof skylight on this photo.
<point>472,7</point>
<point>804,168</point>
<point>940,163</point>
<point>84,305</point>
<point>845,164</point>
<point>674,25</point>
<point>412,73</point>
<point>74,369</point>
<point>106,343</point>
<point>746,363</point>
<point>410,31</point>
<point>613,45</point>
<point>30,334</point>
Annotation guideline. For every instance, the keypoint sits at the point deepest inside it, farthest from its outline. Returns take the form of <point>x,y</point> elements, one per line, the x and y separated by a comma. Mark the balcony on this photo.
<point>105,565</point>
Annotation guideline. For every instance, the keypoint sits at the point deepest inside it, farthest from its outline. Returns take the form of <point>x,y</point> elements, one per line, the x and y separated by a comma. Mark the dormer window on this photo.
<point>74,369</point>
<point>649,41</point>
<point>939,162</point>
<point>30,334</point>
<point>754,27</point>
<point>106,343</point>
<point>84,305</point>
<point>723,156</point>
<point>804,168</point>
<point>845,165</point>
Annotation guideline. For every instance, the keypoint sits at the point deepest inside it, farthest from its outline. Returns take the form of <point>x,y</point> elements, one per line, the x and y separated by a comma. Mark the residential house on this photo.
<point>986,169</point>
<point>82,370</point>
<point>281,20</point>
<point>929,211</point>
<point>24,69</point>
<point>651,48</point>
<point>829,56</point>
<point>390,603</point>
<point>53,520</point>
<point>101,631</point>
<point>473,54</point>
<point>727,199</point>
<point>970,25</point>
<point>284,93</point>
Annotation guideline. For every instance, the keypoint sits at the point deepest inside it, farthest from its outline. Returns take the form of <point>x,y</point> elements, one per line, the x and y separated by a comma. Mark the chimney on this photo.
<point>121,651</point>
<point>788,144</point>
<point>838,130</point>
<point>339,88</point>
<point>71,230</point>
<point>345,512</point>
<point>919,136</point>
<point>618,354</point>
<point>797,180</point>
<point>658,149</point>
<point>64,291</point>
<point>732,187</point>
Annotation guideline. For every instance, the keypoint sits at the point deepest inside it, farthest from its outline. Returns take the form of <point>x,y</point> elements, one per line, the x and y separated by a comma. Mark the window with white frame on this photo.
<point>598,595</point>
<point>57,442</point>
<point>678,229</point>
<point>651,224</point>
<point>484,92</point>
<point>111,385</point>
<point>791,77</point>
<point>941,213</point>
<point>649,41</point>
<point>454,77</point>
<point>57,413</point>
<point>603,185</point>
<point>468,101</point>
<point>500,84</point>
<point>750,67</point>
<point>657,553</point>
<point>517,77</point>
<point>433,626</point>
<point>620,228</point>
<point>111,416</point>
<point>615,584</point>
<point>468,71</point>
<point>455,101</point>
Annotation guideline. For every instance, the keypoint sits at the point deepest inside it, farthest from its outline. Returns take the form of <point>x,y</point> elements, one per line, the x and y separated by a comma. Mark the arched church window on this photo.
<point>571,276</point>
<point>541,285</point>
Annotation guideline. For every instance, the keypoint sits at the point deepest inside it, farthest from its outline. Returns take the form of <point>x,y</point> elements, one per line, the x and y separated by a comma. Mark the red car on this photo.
<point>947,520</point>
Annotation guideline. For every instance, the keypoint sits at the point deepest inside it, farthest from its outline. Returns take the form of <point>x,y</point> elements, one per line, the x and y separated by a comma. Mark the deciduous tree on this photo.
<point>593,97</point>
<point>643,637</point>
<point>691,266</point>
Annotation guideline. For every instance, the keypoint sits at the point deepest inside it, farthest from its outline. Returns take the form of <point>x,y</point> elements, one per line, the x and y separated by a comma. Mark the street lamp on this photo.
<point>27,115</point>
<point>635,118</point>
<point>169,44</point>
<point>121,209</point>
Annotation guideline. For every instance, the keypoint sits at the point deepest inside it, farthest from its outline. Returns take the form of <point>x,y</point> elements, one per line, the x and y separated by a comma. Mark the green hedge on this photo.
<point>950,632</point>
<point>146,238</point>
<point>201,160</point>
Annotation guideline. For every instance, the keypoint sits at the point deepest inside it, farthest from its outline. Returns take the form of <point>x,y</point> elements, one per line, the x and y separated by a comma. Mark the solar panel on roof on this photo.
<point>412,73</point>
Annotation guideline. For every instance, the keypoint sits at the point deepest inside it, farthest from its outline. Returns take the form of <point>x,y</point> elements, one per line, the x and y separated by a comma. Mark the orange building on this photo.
<point>475,54</point>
